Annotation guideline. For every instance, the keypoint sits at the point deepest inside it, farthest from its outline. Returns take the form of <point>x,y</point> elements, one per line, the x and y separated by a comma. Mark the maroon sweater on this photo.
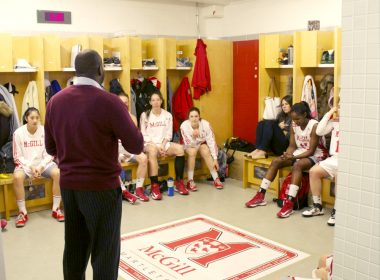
<point>82,127</point>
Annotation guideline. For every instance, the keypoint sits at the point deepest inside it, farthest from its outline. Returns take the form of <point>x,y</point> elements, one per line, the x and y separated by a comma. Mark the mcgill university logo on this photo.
<point>205,248</point>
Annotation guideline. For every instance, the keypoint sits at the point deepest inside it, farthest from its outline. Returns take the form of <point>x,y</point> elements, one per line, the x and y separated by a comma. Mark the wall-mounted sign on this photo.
<point>60,17</point>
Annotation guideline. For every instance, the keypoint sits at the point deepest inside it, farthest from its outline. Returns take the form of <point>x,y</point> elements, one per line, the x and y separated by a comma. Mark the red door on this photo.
<point>246,89</point>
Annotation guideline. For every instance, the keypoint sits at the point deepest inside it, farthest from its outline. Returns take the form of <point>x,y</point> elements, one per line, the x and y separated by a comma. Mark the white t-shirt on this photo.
<point>156,128</point>
<point>303,138</point>
<point>29,149</point>
<point>206,135</point>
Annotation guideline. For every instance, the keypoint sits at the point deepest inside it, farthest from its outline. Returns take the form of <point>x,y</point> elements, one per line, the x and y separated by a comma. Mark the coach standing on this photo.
<point>82,127</point>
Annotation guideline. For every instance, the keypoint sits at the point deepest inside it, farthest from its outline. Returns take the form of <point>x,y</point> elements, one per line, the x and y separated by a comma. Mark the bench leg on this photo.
<point>245,174</point>
<point>6,199</point>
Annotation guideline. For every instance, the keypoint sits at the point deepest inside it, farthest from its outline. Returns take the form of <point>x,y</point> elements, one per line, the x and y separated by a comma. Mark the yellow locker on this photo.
<point>171,53</point>
<point>52,53</point>
<point>6,64</point>
<point>135,52</point>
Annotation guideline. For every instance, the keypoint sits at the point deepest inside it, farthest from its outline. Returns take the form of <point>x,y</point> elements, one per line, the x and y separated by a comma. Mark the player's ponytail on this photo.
<point>302,108</point>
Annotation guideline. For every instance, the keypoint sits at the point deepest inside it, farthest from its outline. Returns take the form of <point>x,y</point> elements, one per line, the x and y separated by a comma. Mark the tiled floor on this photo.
<point>35,252</point>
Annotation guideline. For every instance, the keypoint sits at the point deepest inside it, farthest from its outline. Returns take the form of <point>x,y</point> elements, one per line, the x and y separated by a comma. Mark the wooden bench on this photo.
<point>254,171</point>
<point>8,205</point>
<point>166,168</point>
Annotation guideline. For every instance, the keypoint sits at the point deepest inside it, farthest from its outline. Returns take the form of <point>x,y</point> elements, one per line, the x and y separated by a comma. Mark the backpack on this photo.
<point>300,201</point>
<point>238,144</point>
<point>7,164</point>
<point>223,165</point>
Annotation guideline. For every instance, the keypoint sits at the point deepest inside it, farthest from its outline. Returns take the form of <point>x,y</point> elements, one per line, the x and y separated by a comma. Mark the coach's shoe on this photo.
<point>129,197</point>
<point>316,210</point>
<point>218,184</point>
<point>21,219</point>
<point>257,200</point>
<point>139,192</point>
<point>180,187</point>
<point>287,209</point>
<point>156,194</point>
<point>331,221</point>
<point>58,215</point>
<point>191,186</point>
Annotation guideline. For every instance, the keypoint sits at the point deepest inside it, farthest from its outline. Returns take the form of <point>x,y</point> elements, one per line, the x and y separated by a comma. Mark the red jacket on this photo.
<point>201,77</point>
<point>181,103</point>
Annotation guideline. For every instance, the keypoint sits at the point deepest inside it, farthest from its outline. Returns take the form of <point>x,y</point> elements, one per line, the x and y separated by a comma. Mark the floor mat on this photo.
<point>200,247</point>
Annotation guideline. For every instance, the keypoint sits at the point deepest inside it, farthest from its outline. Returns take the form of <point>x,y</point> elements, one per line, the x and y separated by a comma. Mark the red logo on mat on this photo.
<point>205,247</point>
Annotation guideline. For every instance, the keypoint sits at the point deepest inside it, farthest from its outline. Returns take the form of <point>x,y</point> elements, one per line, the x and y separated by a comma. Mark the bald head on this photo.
<point>88,63</point>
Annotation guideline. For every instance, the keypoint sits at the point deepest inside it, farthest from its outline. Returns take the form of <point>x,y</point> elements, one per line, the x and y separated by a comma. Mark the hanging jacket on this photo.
<point>14,120</point>
<point>133,102</point>
<point>170,96</point>
<point>181,103</point>
<point>30,97</point>
<point>201,77</point>
<point>309,94</point>
<point>143,90</point>
<point>5,121</point>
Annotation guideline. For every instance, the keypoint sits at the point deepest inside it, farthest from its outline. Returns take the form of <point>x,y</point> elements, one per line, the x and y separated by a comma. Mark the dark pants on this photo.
<point>92,227</point>
<point>269,136</point>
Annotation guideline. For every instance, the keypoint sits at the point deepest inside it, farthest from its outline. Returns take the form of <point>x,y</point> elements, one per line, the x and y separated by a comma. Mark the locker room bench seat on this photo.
<point>42,197</point>
<point>38,190</point>
<point>254,171</point>
<point>166,168</point>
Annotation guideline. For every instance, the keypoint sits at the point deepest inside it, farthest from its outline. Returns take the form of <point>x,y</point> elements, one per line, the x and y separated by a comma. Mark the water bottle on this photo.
<point>170,186</point>
<point>290,55</point>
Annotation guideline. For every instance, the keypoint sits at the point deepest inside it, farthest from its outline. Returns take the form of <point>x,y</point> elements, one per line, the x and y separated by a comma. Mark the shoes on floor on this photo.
<point>129,197</point>
<point>257,200</point>
<point>58,215</point>
<point>155,191</point>
<point>139,192</point>
<point>21,219</point>
<point>180,187</point>
<point>286,210</point>
<point>316,210</point>
<point>331,221</point>
<point>218,184</point>
<point>191,186</point>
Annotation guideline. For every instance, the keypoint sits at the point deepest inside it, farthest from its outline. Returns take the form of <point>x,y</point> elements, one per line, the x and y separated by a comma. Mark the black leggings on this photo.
<point>269,136</point>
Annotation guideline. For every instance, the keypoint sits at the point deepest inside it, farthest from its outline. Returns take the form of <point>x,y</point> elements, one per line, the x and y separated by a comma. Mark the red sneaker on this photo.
<point>139,192</point>
<point>3,224</point>
<point>180,187</point>
<point>257,200</point>
<point>286,210</point>
<point>21,219</point>
<point>217,184</point>
<point>129,197</point>
<point>156,194</point>
<point>191,186</point>
<point>58,215</point>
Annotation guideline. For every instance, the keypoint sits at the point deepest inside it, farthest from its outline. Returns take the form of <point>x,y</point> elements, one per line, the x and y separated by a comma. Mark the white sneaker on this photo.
<point>314,211</point>
<point>331,221</point>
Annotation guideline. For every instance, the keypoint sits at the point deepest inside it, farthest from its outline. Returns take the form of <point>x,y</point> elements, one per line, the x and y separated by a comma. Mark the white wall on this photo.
<point>357,233</point>
<point>102,16</point>
<point>172,18</point>
<point>265,16</point>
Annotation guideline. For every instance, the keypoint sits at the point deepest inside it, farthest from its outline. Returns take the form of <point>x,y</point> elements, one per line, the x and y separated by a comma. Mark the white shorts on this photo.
<point>46,173</point>
<point>159,145</point>
<point>330,165</point>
